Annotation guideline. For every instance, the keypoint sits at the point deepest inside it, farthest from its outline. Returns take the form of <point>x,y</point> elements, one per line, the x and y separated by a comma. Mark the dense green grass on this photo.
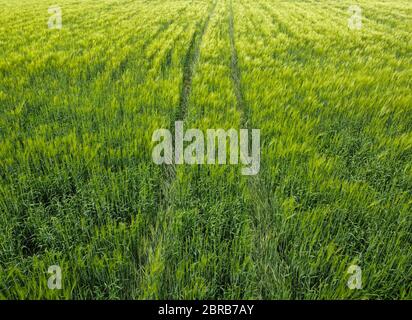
<point>79,189</point>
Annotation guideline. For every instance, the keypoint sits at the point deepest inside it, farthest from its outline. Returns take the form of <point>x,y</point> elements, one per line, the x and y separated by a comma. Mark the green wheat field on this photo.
<point>79,188</point>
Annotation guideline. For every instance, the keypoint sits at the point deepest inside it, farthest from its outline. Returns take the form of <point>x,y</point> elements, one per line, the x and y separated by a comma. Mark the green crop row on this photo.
<point>79,188</point>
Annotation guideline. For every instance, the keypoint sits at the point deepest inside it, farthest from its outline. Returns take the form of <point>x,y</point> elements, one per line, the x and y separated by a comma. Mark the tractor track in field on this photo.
<point>236,74</point>
<point>254,183</point>
<point>169,171</point>
<point>164,27</point>
<point>189,68</point>
<point>260,196</point>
